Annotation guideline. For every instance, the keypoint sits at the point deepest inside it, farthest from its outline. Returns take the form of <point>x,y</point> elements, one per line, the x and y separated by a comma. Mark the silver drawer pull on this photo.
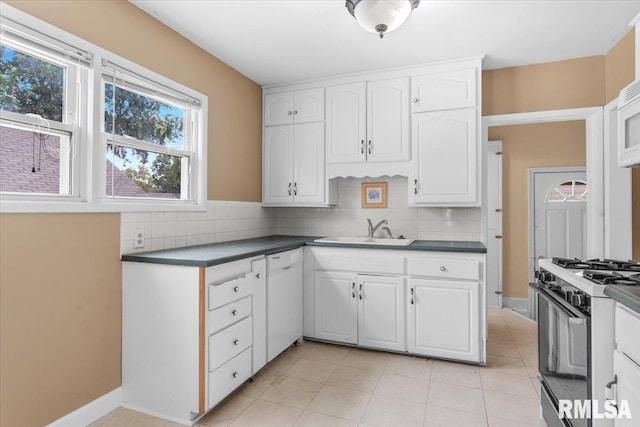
<point>234,312</point>
<point>235,375</point>
<point>237,289</point>
<point>442,268</point>
<point>235,342</point>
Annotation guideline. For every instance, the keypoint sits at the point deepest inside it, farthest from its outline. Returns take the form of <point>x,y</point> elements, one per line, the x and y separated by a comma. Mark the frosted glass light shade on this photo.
<point>381,16</point>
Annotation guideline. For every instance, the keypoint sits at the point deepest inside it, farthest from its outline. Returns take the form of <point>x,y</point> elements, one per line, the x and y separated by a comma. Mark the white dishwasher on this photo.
<point>284,301</point>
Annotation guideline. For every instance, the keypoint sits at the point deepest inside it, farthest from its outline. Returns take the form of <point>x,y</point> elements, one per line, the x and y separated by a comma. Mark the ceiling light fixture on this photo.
<point>381,16</point>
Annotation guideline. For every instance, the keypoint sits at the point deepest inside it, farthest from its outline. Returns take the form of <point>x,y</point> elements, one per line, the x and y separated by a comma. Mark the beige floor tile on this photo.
<point>456,397</point>
<point>328,353</point>
<point>502,347</point>
<point>437,416</point>
<point>456,373</point>
<point>267,414</point>
<point>340,402</point>
<point>313,419</point>
<point>402,387</point>
<point>291,391</point>
<point>511,407</point>
<point>129,418</point>
<point>508,383</point>
<point>536,385</point>
<point>226,412</point>
<point>355,379</point>
<point>259,384</point>
<point>506,365</point>
<point>366,359</point>
<point>298,351</point>
<point>384,411</point>
<point>279,365</point>
<point>103,420</point>
<point>499,422</point>
<point>311,370</point>
<point>417,367</point>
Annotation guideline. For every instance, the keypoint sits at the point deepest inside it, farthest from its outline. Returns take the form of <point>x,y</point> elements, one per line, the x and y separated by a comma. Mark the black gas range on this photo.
<point>604,271</point>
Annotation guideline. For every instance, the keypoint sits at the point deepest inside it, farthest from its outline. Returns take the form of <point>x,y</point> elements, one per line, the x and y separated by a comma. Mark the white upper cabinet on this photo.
<point>388,120</point>
<point>368,122</point>
<point>346,123</point>
<point>294,164</point>
<point>444,90</point>
<point>445,158</point>
<point>294,107</point>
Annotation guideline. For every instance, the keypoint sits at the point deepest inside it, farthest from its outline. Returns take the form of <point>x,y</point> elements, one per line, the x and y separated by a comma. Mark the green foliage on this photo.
<point>141,176</point>
<point>30,85</point>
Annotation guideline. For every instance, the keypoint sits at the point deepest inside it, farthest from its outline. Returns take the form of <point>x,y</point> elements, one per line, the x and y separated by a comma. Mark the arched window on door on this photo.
<point>569,191</point>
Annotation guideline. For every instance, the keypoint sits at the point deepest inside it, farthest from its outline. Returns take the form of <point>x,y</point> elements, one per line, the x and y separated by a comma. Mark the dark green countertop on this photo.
<point>219,253</point>
<point>627,295</point>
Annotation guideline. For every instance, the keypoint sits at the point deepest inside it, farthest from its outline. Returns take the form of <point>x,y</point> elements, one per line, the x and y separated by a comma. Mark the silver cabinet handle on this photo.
<point>360,291</point>
<point>235,342</point>
<point>289,189</point>
<point>370,147</point>
<point>295,111</point>
<point>235,375</point>
<point>258,276</point>
<point>442,268</point>
<point>234,312</point>
<point>415,100</point>
<point>295,188</point>
<point>411,295</point>
<point>236,289</point>
<point>415,186</point>
<point>288,113</point>
<point>362,146</point>
<point>353,289</point>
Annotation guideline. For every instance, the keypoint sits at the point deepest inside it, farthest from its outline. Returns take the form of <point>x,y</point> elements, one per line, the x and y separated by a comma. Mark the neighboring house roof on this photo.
<point>18,155</point>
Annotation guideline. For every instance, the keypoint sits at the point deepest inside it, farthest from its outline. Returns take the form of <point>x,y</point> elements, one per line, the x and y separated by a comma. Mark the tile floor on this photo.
<point>317,384</point>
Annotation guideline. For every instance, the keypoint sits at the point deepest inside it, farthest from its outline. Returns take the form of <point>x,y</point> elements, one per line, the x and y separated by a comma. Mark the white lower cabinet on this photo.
<point>444,319</point>
<point>627,375</point>
<point>360,309</point>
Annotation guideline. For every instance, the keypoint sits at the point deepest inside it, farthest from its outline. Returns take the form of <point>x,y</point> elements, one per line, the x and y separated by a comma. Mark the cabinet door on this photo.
<point>444,319</point>
<point>278,109</point>
<point>308,163</point>
<point>444,158</point>
<point>278,165</point>
<point>308,105</point>
<point>627,388</point>
<point>388,120</point>
<point>346,118</point>
<point>335,307</point>
<point>444,91</point>
<point>381,312</point>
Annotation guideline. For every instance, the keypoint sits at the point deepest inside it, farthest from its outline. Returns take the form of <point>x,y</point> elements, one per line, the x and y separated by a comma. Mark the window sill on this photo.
<point>20,206</point>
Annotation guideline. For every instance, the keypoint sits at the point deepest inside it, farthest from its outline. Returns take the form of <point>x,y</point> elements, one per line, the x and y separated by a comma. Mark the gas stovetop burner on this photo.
<point>611,278</point>
<point>597,264</point>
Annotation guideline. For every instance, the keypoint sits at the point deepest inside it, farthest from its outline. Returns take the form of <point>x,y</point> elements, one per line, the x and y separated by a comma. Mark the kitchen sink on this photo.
<point>366,241</point>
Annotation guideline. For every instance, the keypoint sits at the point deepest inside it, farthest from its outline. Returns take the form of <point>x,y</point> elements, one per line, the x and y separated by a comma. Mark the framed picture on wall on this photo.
<point>374,194</point>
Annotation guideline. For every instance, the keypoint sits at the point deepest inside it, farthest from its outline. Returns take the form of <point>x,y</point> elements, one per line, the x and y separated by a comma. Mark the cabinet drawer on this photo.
<point>444,268</point>
<point>227,343</point>
<point>627,327</point>
<point>229,376</point>
<point>226,315</point>
<point>231,290</point>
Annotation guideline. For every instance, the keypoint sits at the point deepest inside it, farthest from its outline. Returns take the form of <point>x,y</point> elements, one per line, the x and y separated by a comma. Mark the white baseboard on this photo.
<point>518,305</point>
<point>92,411</point>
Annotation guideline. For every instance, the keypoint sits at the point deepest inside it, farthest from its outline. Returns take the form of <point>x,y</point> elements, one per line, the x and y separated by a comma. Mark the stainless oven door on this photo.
<point>563,351</point>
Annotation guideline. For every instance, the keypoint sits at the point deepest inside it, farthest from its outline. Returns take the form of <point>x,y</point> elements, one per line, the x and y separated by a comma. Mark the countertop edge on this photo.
<point>624,295</point>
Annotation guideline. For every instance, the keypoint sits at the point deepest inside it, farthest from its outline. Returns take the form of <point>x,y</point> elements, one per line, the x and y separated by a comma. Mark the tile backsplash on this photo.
<point>348,218</point>
<point>224,221</point>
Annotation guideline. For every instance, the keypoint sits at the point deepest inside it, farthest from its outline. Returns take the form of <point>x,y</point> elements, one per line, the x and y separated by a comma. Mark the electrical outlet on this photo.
<point>138,239</point>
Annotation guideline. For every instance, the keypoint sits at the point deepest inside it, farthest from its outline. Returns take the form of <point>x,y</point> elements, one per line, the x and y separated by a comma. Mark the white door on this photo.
<point>381,312</point>
<point>443,91</point>
<point>308,163</point>
<point>388,120</point>
<point>278,109</point>
<point>444,153</point>
<point>336,307</point>
<point>443,319</point>
<point>308,105</point>
<point>278,164</point>
<point>560,214</point>
<point>627,387</point>
<point>346,123</point>
<point>494,224</point>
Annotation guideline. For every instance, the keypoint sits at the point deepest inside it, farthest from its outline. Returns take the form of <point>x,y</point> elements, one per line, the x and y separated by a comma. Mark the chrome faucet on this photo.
<point>373,229</point>
<point>388,232</point>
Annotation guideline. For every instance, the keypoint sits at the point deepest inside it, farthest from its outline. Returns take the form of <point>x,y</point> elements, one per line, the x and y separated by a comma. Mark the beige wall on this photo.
<point>60,279</point>
<point>60,311</point>
<point>573,83</point>
<point>620,71</point>
<point>524,147</point>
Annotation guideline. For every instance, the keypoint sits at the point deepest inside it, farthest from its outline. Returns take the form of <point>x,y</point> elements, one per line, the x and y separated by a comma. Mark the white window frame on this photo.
<point>89,153</point>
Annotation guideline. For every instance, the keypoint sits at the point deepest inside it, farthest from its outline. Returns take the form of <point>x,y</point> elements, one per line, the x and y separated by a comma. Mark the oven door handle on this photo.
<point>575,317</point>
